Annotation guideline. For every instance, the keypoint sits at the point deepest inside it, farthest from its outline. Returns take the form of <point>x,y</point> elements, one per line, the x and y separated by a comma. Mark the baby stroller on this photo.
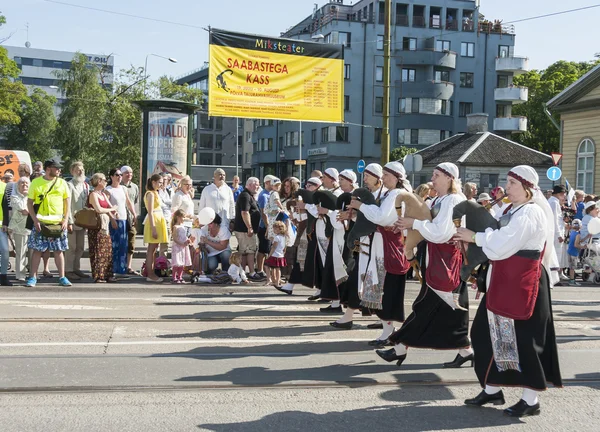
<point>591,262</point>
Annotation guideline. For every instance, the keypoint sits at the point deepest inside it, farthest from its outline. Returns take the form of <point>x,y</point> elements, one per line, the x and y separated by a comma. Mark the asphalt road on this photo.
<point>137,357</point>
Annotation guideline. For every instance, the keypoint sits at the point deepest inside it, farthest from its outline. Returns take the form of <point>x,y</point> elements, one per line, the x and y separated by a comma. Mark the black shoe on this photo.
<point>329,309</point>
<point>324,301</point>
<point>366,312</point>
<point>390,356</point>
<point>484,398</point>
<point>459,361</point>
<point>288,292</point>
<point>375,326</point>
<point>4,280</point>
<point>343,326</point>
<point>314,297</point>
<point>522,409</point>
<point>380,343</point>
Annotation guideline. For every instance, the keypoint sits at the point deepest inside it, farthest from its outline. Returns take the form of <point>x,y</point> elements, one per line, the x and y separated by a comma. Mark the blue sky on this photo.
<point>56,26</point>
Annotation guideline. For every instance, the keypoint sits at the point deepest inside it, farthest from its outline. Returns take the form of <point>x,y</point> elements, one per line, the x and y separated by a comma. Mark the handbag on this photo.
<point>36,208</point>
<point>87,218</point>
<point>51,231</point>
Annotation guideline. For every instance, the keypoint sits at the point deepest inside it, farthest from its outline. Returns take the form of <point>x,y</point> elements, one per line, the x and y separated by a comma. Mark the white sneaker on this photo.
<point>288,287</point>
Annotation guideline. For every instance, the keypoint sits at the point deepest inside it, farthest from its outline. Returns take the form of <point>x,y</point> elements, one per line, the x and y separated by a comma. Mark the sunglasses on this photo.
<point>118,174</point>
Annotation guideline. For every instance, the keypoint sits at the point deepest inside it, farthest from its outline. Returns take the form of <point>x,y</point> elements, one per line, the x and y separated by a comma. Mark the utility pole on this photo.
<point>387,51</point>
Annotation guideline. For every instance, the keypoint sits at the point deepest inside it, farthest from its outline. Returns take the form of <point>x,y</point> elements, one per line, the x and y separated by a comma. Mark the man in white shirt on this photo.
<point>78,191</point>
<point>556,201</point>
<point>219,197</point>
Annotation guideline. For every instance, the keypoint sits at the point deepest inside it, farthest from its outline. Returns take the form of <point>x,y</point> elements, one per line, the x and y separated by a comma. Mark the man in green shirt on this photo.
<point>51,194</point>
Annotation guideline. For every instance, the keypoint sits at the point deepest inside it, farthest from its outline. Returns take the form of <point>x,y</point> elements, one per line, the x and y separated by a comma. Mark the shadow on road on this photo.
<point>238,333</point>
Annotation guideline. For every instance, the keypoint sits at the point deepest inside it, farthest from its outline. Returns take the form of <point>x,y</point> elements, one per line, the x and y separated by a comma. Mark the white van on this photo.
<point>10,161</point>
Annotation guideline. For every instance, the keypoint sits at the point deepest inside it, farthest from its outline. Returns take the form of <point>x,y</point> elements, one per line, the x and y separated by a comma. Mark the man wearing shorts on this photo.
<point>247,217</point>
<point>264,245</point>
<point>134,195</point>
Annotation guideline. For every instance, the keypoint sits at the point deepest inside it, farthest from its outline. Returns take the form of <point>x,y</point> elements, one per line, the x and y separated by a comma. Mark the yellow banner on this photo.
<point>254,77</point>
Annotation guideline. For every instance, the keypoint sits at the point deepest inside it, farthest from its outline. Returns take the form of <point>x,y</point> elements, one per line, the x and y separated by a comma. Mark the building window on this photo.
<point>585,165</point>
<point>464,108</point>
<point>205,121</point>
<point>444,107</point>
<point>408,75</point>
<point>324,134</point>
<point>379,42</point>
<point>345,39</point>
<point>218,159</point>
<point>442,45</point>
<point>206,159</point>
<point>501,110</point>
<point>466,79</point>
<point>402,105</point>
<point>414,136</point>
<point>280,142</point>
<point>400,136</point>
<point>270,144</point>
<point>206,141</point>
<point>415,106</point>
<point>378,73</point>
<point>377,138</point>
<point>347,71</point>
<point>503,51</point>
<point>218,142</point>
<point>219,123</point>
<point>467,49</point>
<point>346,103</point>
<point>378,104</point>
<point>502,81</point>
<point>488,182</point>
<point>248,136</point>
<point>313,136</point>
<point>38,62</point>
<point>442,76</point>
<point>409,44</point>
<point>341,134</point>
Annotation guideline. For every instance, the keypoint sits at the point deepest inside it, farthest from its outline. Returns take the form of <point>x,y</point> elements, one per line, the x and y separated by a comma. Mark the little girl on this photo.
<point>180,251</point>
<point>276,258</point>
<point>235,271</point>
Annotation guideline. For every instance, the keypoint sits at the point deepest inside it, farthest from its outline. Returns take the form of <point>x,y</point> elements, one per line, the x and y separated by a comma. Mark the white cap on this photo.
<point>484,197</point>
<point>576,223</point>
<point>375,170</point>
<point>526,175</point>
<point>349,175</point>
<point>395,168</point>
<point>269,178</point>
<point>316,181</point>
<point>589,204</point>
<point>333,174</point>
<point>449,169</point>
<point>275,181</point>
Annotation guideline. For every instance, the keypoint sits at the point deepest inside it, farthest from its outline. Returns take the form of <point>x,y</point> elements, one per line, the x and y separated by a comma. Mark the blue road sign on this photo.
<point>360,166</point>
<point>554,173</point>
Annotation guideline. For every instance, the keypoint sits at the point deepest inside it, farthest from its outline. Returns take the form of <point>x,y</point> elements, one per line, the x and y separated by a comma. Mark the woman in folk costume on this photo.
<point>388,300</point>
<point>313,266</point>
<point>440,317</point>
<point>513,331</point>
<point>331,181</point>
<point>348,291</point>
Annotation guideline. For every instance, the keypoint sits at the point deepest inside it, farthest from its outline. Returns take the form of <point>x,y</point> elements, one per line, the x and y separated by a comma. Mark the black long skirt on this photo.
<point>433,323</point>
<point>349,289</point>
<point>329,288</point>
<point>393,298</point>
<point>313,266</point>
<point>536,344</point>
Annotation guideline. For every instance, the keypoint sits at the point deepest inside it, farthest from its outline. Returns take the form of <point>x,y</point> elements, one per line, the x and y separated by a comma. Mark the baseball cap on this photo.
<point>576,223</point>
<point>269,178</point>
<point>53,163</point>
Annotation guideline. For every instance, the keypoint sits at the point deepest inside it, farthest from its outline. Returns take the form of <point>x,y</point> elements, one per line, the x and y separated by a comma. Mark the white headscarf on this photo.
<point>529,178</point>
<point>315,181</point>
<point>349,175</point>
<point>397,169</point>
<point>375,170</point>
<point>333,174</point>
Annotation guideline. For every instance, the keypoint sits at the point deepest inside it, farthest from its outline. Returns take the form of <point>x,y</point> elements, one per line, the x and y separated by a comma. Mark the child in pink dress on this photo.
<point>180,251</point>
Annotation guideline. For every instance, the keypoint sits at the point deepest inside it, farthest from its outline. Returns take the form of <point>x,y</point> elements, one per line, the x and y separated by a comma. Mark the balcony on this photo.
<point>402,20</point>
<point>516,65</point>
<point>510,124</point>
<point>425,89</point>
<point>419,21</point>
<point>513,94</point>
<point>445,59</point>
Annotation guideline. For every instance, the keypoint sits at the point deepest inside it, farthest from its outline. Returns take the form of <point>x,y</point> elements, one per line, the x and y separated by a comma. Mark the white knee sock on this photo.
<point>388,329</point>
<point>318,293</point>
<point>347,317</point>
<point>465,352</point>
<point>530,396</point>
<point>335,303</point>
<point>491,390</point>
<point>400,349</point>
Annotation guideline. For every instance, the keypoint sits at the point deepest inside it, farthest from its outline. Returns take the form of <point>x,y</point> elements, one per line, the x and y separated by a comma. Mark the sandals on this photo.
<point>47,274</point>
<point>132,272</point>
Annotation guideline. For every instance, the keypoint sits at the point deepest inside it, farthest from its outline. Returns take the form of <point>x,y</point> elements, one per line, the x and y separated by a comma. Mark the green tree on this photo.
<point>82,123</point>
<point>398,153</point>
<point>166,87</point>
<point>543,85</point>
<point>34,133</point>
<point>12,92</point>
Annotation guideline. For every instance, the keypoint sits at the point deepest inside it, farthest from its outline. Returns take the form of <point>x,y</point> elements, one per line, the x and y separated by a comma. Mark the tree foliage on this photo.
<point>12,92</point>
<point>543,85</point>
<point>35,132</point>
<point>398,153</point>
<point>168,88</point>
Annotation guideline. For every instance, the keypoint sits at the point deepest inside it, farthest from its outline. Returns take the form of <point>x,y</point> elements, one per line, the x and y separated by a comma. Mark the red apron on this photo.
<point>394,260</point>
<point>443,268</point>
<point>514,285</point>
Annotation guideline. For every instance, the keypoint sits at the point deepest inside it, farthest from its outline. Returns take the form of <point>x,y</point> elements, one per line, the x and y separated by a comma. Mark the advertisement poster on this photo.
<point>266,78</point>
<point>167,144</point>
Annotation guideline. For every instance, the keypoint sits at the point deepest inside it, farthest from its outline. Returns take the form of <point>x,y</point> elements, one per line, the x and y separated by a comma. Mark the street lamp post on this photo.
<point>171,59</point>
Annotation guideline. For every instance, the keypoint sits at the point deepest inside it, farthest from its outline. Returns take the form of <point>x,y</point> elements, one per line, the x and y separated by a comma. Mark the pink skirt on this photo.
<point>275,262</point>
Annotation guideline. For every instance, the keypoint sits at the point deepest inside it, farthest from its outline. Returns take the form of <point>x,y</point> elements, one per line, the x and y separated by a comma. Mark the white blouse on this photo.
<point>384,214</point>
<point>525,231</point>
<point>441,228</point>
